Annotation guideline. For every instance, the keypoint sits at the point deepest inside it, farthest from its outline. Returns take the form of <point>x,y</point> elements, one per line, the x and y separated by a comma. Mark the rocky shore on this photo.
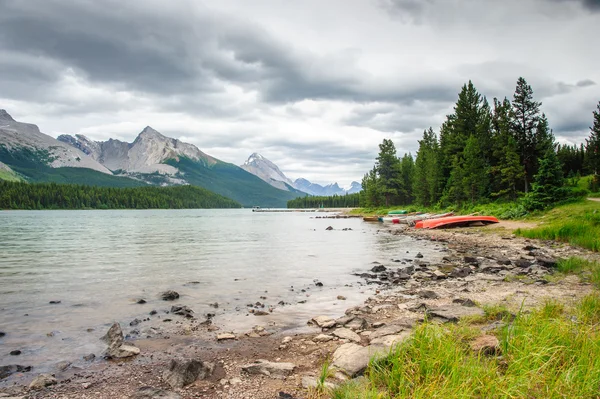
<point>480,266</point>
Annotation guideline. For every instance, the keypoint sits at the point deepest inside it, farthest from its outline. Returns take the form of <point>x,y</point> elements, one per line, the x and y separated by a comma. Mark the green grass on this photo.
<point>551,352</point>
<point>577,224</point>
<point>588,270</point>
<point>9,176</point>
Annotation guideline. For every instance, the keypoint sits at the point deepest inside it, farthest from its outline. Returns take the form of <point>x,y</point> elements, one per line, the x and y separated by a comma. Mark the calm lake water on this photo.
<point>99,263</point>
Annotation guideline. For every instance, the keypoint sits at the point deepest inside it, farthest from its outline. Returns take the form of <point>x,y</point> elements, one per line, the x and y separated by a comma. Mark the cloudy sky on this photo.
<point>313,85</point>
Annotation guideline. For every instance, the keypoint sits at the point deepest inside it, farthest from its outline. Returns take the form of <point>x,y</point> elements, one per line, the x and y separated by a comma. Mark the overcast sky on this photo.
<point>313,85</point>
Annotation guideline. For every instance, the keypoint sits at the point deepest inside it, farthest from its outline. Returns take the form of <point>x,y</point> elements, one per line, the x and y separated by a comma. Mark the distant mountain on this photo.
<point>155,158</point>
<point>29,154</point>
<point>355,187</point>
<point>267,171</point>
<point>146,154</point>
<point>270,173</point>
<point>18,135</point>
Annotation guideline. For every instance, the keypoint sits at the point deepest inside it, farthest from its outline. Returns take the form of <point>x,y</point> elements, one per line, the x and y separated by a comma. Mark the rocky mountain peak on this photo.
<point>5,116</point>
<point>150,132</point>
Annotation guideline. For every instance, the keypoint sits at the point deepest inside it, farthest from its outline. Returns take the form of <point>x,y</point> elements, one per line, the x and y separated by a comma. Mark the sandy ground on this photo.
<point>108,379</point>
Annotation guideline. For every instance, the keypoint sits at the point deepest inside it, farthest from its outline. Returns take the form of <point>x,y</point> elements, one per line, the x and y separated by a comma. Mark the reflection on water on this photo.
<point>99,263</point>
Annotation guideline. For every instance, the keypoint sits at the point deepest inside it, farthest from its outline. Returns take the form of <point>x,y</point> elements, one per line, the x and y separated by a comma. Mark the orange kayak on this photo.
<point>455,221</point>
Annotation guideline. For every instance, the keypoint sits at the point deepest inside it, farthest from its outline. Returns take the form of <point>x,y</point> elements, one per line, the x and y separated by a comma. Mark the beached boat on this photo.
<point>412,220</point>
<point>390,219</point>
<point>371,218</point>
<point>455,221</point>
<point>398,212</point>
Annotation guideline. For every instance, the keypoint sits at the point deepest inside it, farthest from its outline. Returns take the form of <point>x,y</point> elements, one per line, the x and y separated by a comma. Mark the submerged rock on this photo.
<point>182,311</point>
<point>169,295</point>
<point>6,371</point>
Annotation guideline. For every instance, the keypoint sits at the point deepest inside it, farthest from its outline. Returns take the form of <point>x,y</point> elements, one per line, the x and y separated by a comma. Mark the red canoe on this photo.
<point>455,221</point>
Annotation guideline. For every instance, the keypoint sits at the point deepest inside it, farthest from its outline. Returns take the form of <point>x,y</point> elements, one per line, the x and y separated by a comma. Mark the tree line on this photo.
<point>482,152</point>
<point>333,201</point>
<point>19,195</point>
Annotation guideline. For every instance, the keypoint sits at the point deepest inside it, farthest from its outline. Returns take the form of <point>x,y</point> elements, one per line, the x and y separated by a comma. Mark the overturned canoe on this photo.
<point>455,221</point>
<point>412,220</point>
<point>398,212</point>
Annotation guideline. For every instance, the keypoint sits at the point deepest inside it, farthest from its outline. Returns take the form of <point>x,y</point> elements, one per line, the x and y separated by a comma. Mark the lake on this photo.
<point>98,264</point>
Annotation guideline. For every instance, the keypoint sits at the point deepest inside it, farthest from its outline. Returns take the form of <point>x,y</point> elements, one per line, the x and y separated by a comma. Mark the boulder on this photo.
<point>225,336</point>
<point>323,321</point>
<point>342,321</point>
<point>486,345</point>
<point>357,323</point>
<point>458,272</point>
<point>270,369</point>
<point>345,333</point>
<point>116,348</point>
<point>310,382</point>
<point>390,340</point>
<point>154,393</point>
<point>114,335</point>
<point>378,269</point>
<point>546,261</point>
<point>182,311</point>
<point>427,294</point>
<point>6,371</point>
<point>329,228</point>
<point>523,263</point>
<point>391,329</point>
<point>453,313</point>
<point>169,295</point>
<point>503,260</point>
<point>42,381</point>
<point>322,338</point>
<point>62,366</point>
<point>353,359</point>
<point>184,372</point>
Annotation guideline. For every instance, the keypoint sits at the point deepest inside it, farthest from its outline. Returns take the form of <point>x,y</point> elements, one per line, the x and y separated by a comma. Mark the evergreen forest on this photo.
<point>18,195</point>
<point>504,152</point>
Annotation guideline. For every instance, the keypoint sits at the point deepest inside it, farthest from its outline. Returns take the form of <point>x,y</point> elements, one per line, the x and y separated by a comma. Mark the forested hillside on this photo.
<point>15,195</point>
<point>332,201</point>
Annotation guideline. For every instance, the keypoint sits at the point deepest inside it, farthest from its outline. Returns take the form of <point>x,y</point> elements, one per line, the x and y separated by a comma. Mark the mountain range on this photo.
<point>270,173</point>
<point>152,158</point>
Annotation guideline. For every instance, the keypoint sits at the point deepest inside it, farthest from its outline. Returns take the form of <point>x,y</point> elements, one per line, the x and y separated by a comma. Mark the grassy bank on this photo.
<point>551,352</point>
<point>577,224</point>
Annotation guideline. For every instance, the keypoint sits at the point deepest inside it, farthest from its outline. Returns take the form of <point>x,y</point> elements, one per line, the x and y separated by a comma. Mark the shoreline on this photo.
<point>398,303</point>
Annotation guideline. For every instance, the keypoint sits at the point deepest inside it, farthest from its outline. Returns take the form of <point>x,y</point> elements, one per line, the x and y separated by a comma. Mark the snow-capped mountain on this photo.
<point>269,172</point>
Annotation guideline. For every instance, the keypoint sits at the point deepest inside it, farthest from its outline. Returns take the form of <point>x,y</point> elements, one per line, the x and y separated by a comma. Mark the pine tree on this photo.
<point>427,171</point>
<point>407,172</point>
<point>388,171</point>
<point>475,171</point>
<point>524,122</point>
<point>593,150</point>
<point>547,187</point>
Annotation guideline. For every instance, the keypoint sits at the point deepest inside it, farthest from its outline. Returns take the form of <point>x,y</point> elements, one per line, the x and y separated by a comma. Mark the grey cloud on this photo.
<point>407,10</point>
<point>585,83</point>
<point>591,5</point>
<point>170,54</point>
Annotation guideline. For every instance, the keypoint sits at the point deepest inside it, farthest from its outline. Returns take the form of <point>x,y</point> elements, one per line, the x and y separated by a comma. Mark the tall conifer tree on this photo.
<point>526,114</point>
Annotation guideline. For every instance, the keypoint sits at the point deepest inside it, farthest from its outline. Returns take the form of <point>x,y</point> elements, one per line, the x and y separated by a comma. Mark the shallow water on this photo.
<point>99,263</point>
